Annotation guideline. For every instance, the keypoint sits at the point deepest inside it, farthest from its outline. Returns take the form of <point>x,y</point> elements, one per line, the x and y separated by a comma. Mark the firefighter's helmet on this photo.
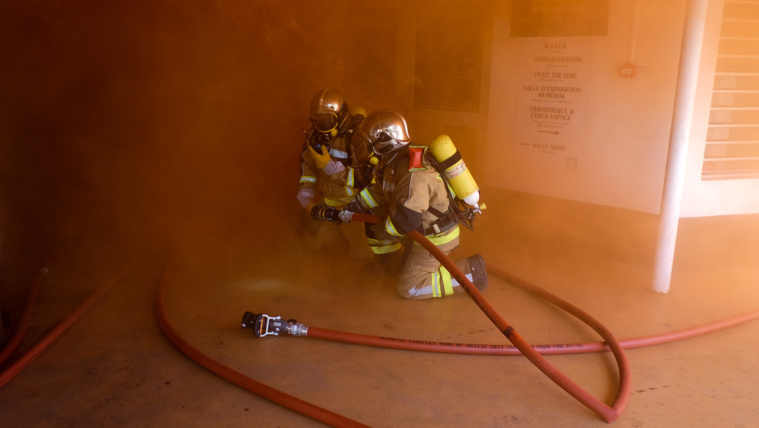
<point>328,111</point>
<point>385,130</point>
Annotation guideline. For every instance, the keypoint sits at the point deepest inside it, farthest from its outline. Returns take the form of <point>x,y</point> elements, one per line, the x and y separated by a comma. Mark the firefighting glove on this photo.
<point>321,158</point>
<point>305,196</point>
<point>324,212</point>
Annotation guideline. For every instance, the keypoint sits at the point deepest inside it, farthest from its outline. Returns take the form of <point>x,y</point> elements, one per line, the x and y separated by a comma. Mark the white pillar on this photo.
<point>690,57</point>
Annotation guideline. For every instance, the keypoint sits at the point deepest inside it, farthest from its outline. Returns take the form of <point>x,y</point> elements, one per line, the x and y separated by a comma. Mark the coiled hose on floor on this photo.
<point>510,350</point>
<point>608,413</point>
<point>239,379</point>
<point>332,418</point>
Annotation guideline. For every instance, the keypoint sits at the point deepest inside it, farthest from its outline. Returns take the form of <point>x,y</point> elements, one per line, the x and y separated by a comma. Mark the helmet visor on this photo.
<point>324,122</point>
<point>385,144</point>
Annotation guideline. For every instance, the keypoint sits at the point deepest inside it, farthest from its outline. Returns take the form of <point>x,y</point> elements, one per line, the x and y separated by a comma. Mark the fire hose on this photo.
<point>265,325</point>
<point>18,365</point>
<point>274,325</point>
<point>608,413</point>
<point>26,316</point>
<point>240,379</point>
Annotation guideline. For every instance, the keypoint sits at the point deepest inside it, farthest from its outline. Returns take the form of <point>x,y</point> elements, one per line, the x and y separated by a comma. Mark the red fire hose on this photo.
<point>520,346</point>
<point>252,385</point>
<point>59,329</point>
<point>26,317</point>
<point>608,413</point>
<point>510,350</point>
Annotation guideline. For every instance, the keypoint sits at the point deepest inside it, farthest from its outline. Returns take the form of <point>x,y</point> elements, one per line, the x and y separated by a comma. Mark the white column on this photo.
<point>690,57</point>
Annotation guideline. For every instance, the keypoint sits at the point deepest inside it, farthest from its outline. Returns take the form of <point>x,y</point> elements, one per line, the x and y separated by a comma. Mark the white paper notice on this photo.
<point>552,102</point>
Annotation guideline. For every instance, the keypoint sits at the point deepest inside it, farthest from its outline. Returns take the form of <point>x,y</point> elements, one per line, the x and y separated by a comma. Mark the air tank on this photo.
<point>455,170</point>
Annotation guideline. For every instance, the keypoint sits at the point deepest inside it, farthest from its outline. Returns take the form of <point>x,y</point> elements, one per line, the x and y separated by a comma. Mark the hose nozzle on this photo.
<point>265,325</point>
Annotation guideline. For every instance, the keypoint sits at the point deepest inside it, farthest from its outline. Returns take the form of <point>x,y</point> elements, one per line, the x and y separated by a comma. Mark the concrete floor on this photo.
<point>115,367</point>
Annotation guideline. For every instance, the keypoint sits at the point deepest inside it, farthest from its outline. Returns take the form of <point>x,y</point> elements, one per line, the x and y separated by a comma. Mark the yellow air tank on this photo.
<point>455,170</point>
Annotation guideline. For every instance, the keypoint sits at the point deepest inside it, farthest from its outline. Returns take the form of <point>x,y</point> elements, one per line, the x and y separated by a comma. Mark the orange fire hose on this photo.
<point>608,413</point>
<point>520,346</point>
<point>26,317</point>
<point>59,329</point>
<point>252,385</point>
<point>239,379</point>
<point>510,350</point>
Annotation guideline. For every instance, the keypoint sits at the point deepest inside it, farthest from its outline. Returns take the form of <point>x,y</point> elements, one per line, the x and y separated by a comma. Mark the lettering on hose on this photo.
<point>421,342</point>
<point>502,347</point>
<point>454,345</point>
<point>559,346</point>
<point>476,346</point>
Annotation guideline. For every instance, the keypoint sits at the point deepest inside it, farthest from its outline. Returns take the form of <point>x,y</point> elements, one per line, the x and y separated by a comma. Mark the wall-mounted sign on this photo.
<point>552,101</point>
<point>559,18</point>
<point>448,56</point>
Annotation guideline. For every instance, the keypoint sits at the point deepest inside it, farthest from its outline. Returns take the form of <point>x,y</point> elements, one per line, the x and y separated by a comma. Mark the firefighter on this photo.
<point>331,172</point>
<point>414,197</point>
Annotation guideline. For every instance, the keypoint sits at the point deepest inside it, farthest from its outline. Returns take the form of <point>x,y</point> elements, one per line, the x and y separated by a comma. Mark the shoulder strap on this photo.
<point>348,134</point>
<point>436,213</point>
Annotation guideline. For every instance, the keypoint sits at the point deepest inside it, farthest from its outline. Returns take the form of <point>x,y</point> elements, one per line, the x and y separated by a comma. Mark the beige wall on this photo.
<point>623,155</point>
<point>152,120</point>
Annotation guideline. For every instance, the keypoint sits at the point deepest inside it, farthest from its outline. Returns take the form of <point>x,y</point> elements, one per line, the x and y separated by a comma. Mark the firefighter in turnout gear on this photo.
<point>331,171</point>
<point>410,194</point>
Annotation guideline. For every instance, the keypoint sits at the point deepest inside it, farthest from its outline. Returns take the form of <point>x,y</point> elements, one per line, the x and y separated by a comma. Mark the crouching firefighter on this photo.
<point>409,193</point>
<point>331,171</point>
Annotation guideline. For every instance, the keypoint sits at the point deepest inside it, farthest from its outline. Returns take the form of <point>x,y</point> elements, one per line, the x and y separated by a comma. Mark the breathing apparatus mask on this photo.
<point>317,140</point>
<point>327,114</point>
<point>325,123</point>
<point>385,144</point>
<point>323,130</point>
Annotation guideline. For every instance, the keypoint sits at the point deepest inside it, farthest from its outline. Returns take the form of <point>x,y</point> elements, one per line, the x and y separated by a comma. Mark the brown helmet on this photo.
<point>385,130</point>
<point>328,110</point>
